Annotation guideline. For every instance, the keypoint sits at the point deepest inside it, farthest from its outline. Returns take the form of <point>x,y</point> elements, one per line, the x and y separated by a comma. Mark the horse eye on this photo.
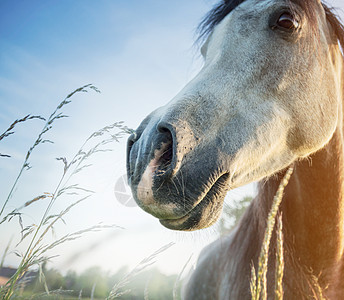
<point>287,21</point>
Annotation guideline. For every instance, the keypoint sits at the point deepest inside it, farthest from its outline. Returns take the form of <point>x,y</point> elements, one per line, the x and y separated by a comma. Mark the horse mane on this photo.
<point>215,16</point>
<point>336,25</point>
<point>224,7</point>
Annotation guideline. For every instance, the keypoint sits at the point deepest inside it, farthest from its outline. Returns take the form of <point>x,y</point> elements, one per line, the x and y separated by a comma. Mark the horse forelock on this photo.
<point>216,15</point>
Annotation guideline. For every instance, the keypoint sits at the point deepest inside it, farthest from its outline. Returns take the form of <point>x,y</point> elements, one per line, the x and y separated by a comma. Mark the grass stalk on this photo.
<point>279,269</point>
<point>40,139</point>
<point>176,287</point>
<point>258,283</point>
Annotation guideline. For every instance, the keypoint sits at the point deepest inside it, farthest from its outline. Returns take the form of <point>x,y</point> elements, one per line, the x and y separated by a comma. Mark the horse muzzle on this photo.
<point>174,177</point>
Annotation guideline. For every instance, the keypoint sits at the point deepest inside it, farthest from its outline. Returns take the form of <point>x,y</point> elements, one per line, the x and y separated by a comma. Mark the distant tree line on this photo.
<point>94,283</point>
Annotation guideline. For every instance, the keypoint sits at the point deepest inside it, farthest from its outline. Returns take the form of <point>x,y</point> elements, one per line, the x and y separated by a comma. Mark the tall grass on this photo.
<point>258,281</point>
<point>117,290</point>
<point>38,249</point>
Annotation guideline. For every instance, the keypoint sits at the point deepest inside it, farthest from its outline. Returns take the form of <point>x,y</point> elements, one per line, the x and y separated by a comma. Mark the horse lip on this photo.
<point>216,188</point>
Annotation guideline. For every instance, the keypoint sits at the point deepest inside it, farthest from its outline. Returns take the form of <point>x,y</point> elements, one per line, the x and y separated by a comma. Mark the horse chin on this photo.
<point>205,213</point>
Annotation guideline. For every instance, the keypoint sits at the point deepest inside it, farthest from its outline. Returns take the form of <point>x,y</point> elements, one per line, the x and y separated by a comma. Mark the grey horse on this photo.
<point>270,95</point>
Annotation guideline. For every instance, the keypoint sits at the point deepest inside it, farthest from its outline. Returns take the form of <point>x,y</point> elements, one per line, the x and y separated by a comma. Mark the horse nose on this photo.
<point>150,152</point>
<point>156,156</point>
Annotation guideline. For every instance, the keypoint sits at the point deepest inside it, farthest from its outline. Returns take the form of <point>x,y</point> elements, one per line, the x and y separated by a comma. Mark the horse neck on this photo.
<point>312,208</point>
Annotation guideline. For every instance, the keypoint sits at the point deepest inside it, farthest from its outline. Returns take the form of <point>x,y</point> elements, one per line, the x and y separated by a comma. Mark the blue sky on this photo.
<point>139,53</point>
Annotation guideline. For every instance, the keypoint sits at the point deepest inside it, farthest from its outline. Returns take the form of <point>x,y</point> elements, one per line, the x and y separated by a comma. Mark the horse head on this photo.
<point>269,93</point>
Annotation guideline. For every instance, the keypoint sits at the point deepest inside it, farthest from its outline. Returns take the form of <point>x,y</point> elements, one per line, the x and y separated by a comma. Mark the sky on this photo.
<point>139,54</point>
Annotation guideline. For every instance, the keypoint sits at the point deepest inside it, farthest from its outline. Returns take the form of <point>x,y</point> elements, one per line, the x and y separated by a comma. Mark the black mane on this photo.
<point>224,7</point>
<point>216,15</point>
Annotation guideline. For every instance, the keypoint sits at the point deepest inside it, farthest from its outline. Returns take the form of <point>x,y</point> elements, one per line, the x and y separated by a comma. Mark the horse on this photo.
<point>269,96</point>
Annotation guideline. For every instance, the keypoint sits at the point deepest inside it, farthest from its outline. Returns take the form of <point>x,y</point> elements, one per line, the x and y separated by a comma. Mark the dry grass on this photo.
<point>258,281</point>
<point>37,251</point>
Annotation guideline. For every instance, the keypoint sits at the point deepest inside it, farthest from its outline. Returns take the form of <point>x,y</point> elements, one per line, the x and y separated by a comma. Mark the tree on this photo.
<point>232,214</point>
<point>93,280</point>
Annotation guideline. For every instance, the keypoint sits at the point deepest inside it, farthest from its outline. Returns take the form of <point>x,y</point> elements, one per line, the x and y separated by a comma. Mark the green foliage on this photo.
<point>160,286</point>
<point>92,279</point>
<point>121,288</point>
<point>232,214</point>
<point>151,284</point>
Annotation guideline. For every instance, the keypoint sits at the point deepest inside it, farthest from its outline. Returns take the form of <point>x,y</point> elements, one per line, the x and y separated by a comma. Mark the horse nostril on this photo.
<point>166,155</point>
<point>131,140</point>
